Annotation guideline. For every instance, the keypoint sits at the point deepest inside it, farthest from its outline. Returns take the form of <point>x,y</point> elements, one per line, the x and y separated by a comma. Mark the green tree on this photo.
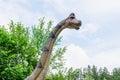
<point>13,51</point>
<point>116,74</point>
<point>20,49</point>
<point>104,74</point>
<point>94,73</point>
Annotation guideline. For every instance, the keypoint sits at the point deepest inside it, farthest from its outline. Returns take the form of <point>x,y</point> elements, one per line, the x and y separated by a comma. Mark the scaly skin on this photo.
<point>41,69</point>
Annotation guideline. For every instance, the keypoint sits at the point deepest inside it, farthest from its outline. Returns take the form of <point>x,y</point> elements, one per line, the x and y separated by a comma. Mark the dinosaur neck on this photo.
<point>42,67</point>
<point>52,37</point>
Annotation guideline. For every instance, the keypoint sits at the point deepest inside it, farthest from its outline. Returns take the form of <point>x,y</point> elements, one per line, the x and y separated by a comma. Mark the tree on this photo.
<point>14,50</point>
<point>104,74</point>
<point>94,73</point>
<point>116,74</point>
<point>20,49</point>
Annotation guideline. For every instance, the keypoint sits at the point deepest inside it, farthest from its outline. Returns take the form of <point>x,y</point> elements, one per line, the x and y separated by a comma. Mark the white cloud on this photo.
<point>57,4</point>
<point>76,57</point>
<point>12,10</point>
<point>109,59</point>
<point>100,7</point>
<point>87,30</point>
<point>89,7</point>
<point>90,28</point>
<point>97,40</point>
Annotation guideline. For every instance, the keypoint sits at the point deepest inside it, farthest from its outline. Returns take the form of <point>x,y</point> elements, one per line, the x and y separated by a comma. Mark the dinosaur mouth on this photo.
<point>77,26</point>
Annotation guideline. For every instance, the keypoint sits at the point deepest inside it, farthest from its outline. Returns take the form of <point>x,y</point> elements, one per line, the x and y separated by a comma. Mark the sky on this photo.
<point>97,41</point>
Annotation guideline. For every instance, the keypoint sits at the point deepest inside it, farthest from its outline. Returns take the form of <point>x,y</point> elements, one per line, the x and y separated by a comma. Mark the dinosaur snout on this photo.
<point>78,25</point>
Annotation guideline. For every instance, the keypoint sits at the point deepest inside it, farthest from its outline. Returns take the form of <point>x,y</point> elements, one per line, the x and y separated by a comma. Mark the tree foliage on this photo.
<point>20,49</point>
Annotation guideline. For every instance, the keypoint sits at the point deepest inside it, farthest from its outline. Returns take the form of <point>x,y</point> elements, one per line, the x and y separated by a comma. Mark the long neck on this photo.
<point>51,39</point>
<point>42,67</point>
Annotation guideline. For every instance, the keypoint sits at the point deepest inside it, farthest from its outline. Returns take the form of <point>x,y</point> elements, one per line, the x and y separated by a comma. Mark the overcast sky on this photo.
<point>96,43</point>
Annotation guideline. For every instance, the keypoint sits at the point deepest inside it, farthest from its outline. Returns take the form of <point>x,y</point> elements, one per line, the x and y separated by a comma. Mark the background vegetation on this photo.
<point>20,49</point>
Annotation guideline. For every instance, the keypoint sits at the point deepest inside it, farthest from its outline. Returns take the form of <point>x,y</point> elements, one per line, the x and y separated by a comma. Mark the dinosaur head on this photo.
<point>71,22</point>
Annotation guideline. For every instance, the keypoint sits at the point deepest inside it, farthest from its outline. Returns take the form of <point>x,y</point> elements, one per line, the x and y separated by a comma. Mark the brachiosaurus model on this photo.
<point>42,66</point>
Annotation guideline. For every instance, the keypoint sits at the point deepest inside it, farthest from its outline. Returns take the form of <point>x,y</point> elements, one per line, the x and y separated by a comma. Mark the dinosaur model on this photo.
<point>41,69</point>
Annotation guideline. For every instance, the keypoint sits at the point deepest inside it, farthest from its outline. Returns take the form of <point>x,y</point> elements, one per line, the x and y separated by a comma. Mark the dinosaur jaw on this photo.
<point>77,26</point>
